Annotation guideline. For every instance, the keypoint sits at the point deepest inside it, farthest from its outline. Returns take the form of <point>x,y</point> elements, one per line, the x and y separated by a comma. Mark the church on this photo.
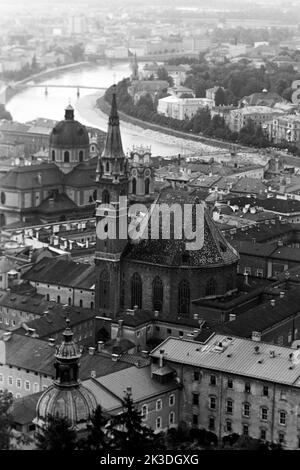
<point>62,188</point>
<point>156,275</point>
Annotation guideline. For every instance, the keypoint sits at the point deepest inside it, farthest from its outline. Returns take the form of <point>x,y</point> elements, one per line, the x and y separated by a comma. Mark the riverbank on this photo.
<point>10,90</point>
<point>88,109</point>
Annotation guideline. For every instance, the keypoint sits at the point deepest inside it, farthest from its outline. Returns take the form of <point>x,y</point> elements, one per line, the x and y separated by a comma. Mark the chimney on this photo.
<point>256,350</point>
<point>272,302</point>
<point>196,316</point>
<point>129,390</point>
<point>114,357</point>
<point>51,341</point>
<point>281,295</point>
<point>256,336</point>
<point>100,345</point>
<point>232,316</point>
<point>7,335</point>
<point>156,313</point>
<point>161,358</point>
<point>93,374</point>
<point>280,243</point>
<point>130,312</point>
<point>91,351</point>
<point>272,353</point>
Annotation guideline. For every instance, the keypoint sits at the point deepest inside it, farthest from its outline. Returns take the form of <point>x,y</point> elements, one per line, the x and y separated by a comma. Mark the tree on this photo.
<point>97,438</point>
<point>6,401</point>
<point>220,97</point>
<point>76,52</point>
<point>128,433</point>
<point>57,435</point>
<point>4,114</point>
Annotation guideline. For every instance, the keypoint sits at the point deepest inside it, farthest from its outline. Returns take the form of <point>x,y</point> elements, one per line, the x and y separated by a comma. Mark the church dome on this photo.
<point>69,133</point>
<point>76,404</point>
<point>67,397</point>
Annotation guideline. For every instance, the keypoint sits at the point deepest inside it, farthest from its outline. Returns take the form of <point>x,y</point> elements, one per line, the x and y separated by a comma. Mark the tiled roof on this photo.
<point>62,272</point>
<point>83,175</point>
<point>32,303</point>
<point>24,409</point>
<point>30,353</point>
<point>264,316</point>
<point>61,203</point>
<point>53,319</point>
<point>215,250</point>
<point>236,356</point>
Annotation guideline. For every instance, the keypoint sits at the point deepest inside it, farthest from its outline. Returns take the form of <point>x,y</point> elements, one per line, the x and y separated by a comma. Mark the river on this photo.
<point>32,103</point>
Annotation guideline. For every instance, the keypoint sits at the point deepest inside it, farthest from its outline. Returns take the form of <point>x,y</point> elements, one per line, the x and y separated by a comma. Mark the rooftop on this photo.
<point>62,272</point>
<point>236,355</point>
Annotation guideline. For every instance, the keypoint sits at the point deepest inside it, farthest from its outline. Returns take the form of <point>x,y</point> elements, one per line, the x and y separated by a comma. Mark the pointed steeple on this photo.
<point>113,145</point>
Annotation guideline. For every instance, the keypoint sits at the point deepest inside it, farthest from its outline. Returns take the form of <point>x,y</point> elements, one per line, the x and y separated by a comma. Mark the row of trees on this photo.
<point>201,123</point>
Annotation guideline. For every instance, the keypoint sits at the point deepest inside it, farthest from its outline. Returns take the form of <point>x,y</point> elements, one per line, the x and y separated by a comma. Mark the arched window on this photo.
<point>81,156</point>
<point>157,294</point>
<point>58,299</point>
<point>184,298</point>
<point>105,197</point>
<point>147,185</point>
<point>133,186</point>
<point>69,300</point>
<point>211,287</point>
<point>104,289</point>
<point>136,291</point>
<point>80,303</point>
<point>95,195</point>
<point>66,156</point>
<point>53,155</point>
<point>107,167</point>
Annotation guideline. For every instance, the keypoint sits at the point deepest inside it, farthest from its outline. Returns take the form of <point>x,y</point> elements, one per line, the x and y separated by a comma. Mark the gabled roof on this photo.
<point>62,272</point>
<point>264,316</point>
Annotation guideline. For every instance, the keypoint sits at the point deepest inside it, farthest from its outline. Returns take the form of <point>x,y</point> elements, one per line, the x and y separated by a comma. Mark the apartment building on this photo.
<point>230,384</point>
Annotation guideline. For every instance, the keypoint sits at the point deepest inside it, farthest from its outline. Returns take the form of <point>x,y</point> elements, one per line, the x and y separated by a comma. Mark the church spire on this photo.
<point>113,145</point>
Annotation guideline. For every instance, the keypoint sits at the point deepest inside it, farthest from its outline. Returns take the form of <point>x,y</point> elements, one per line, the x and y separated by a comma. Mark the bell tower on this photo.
<point>111,216</point>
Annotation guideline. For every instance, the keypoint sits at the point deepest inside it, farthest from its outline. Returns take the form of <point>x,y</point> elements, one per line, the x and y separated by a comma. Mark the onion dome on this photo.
<point>69,133</point>
<point>67,397</point>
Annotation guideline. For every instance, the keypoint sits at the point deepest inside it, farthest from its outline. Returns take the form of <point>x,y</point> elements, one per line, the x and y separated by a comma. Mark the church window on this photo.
<point>133,186</point>
<point>58,299</point>
<point>157,293</point>
<point>53,155</point>
<point>105,197</point>
<point>66,156</point>
<point>184,297</point>
<point>104,289</point>
<point>210,287</point>
<point>107,167</point>
<point>136,291</point>
<point>81,156</point>
<point>147,185</point>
